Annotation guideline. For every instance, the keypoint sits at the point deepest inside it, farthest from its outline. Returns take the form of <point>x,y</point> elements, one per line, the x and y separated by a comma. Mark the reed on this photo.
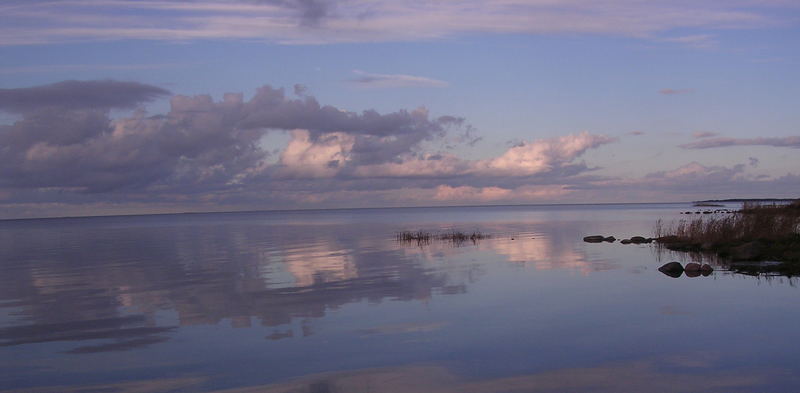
<point>757,231</point>
<point>424,237</point>
<point>753,222</point>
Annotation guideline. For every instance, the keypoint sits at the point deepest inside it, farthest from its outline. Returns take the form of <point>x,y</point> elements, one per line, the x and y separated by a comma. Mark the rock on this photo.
<point>692,273</point>
<point>692,267</point>
<point>706,270</point>
<point>625,241</point>
<point>672,269</point>
<point>610,239</point>
<point>594,239</point>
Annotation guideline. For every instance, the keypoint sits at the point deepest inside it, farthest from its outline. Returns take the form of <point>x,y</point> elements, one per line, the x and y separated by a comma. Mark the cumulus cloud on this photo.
<point>328,21</point>
<point>69,141</point>
<point>368,80</point>
<point>69,154</point>
<point>69,150</point>
<point>788,141</point>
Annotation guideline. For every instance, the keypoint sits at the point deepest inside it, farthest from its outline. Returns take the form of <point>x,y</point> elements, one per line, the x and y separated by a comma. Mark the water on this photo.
<point>328,301</point>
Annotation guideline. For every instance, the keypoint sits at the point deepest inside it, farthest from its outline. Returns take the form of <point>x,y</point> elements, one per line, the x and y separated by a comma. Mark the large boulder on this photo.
<point>692,267</point>
<point>672,269</point>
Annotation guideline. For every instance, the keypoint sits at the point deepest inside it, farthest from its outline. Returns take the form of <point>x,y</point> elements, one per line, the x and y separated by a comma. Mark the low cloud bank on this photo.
<point>66,153</point>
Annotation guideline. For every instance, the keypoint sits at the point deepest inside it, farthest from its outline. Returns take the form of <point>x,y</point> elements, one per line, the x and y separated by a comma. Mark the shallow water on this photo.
<point>328,301</point>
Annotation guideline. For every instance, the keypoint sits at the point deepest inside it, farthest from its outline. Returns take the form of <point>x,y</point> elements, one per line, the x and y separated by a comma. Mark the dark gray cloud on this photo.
<point>69,141</point>
<point>788,141</point>
<point>96,95</point>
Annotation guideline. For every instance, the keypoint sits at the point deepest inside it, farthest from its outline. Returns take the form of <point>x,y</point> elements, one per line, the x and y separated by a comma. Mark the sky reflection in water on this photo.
<point>329,301</point>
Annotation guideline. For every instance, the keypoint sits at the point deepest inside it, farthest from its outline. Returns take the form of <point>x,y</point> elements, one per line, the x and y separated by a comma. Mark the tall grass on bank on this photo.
<point>753,222</point>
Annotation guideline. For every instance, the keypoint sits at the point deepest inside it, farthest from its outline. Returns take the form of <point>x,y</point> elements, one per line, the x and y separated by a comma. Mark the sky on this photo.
<point>156,106</point>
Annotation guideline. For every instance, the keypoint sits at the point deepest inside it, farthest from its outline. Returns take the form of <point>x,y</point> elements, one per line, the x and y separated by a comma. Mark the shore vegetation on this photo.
<point>757,232</point>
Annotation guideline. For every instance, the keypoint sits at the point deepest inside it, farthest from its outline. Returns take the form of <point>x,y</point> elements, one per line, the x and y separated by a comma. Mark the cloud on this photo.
<point>68,150</point>
<point>670,92</point>
<point>693,181</point>
<point>66,138</point>
<point>321,21</point>
<point>700,41</point>
<point>31,69</point>
<point>703,134</point>
<point>788,141</point>
<point>105,94</point>
<point>369,80</point>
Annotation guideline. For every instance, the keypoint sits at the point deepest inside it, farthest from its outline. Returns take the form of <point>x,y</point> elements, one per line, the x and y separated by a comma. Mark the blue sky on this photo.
<point>557,101</point>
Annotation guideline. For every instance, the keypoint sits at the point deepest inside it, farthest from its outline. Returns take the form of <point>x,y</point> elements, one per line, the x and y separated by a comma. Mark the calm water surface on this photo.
<point>328,301</point>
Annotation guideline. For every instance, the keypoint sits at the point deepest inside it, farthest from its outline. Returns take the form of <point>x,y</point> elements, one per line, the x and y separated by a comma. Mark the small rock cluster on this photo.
<point>675,269</point>
<point>612,239</point>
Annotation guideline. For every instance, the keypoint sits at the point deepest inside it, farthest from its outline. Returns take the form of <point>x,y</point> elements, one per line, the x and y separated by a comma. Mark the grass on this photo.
<point>756,232</point>
<point>765,222</point>
<point>456,237</point>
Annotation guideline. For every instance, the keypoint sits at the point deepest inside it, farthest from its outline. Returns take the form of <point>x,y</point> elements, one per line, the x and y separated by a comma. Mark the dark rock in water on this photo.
<point>692,273</point>
<point>672,269</point>
<point>610,239</point>
<point>625,241</point>
<point>640,240</point>
<point>692,267</point>
<point>706,270</point>
<point>594,239</point>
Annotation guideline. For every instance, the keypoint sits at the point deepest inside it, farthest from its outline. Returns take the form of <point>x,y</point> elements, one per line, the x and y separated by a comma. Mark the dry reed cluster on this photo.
<point>753,222</point>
